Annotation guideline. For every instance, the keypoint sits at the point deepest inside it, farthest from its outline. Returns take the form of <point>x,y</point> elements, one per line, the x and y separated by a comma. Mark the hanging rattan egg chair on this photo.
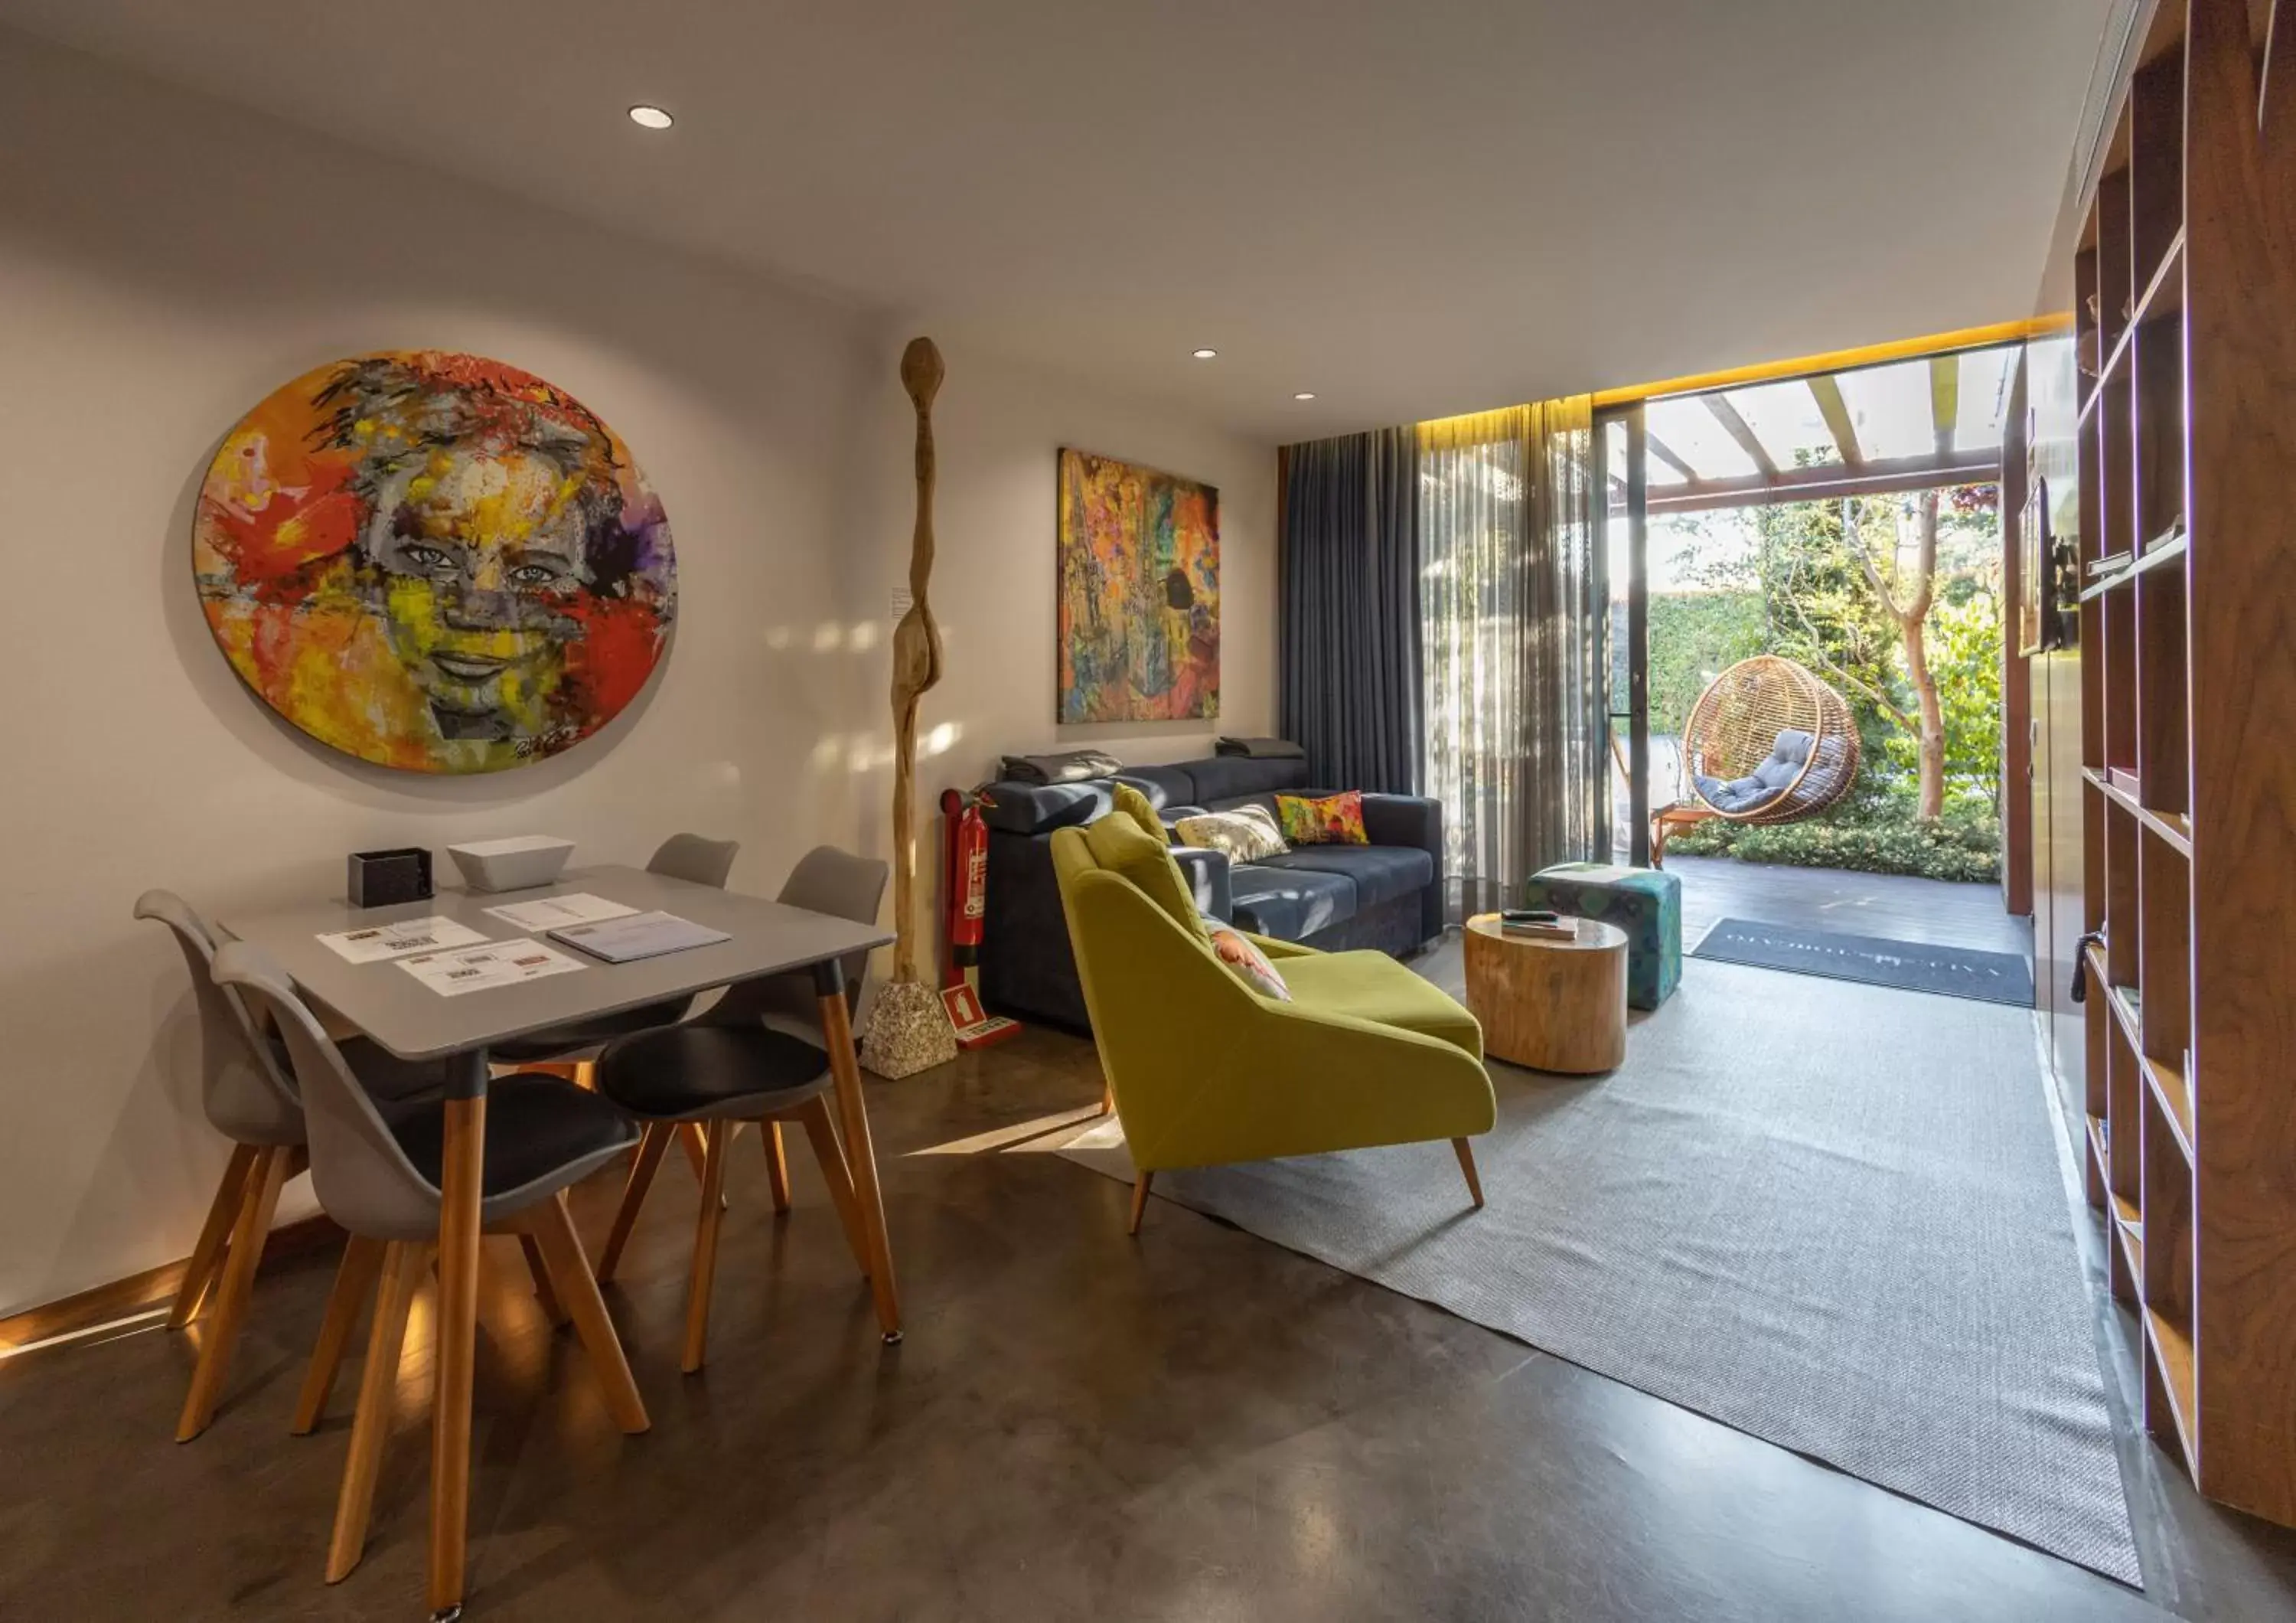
<point>1767,742</point>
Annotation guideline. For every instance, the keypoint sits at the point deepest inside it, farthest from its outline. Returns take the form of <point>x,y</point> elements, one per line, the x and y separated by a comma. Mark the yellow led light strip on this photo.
<point>1837,361</point>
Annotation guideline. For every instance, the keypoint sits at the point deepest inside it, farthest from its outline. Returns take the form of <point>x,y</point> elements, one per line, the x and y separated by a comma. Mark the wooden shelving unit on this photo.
<point>2186,335</point>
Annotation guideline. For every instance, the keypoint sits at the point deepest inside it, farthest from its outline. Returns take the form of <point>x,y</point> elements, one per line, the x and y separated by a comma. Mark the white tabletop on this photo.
<point>414,1022</point>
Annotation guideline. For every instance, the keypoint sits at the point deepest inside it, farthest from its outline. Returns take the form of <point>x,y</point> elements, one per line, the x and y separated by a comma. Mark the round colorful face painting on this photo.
<point>434,561</point>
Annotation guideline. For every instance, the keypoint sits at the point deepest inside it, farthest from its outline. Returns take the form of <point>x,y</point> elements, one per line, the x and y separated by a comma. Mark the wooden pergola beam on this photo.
<point>1945,399</point>
<point>1827,391</point>
<point>1726,414</point>
<point>1665,453</point>
<point>1828,484</point>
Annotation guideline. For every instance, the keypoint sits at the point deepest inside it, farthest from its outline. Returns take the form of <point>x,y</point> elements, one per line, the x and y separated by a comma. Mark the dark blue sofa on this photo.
<point>1387,894</point>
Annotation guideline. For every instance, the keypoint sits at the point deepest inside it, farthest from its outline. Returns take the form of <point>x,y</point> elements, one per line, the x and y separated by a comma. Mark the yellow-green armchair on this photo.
<point>1206,1071</point>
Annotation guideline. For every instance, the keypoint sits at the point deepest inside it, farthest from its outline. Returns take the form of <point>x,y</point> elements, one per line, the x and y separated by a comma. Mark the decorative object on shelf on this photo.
<point>1139,585</point>
<point>2048,577</point>
<point>433,562</point>
<point>908,1029</point>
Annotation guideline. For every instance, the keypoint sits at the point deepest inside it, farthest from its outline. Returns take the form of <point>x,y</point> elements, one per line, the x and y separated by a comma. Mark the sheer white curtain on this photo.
<point>1514,614</point>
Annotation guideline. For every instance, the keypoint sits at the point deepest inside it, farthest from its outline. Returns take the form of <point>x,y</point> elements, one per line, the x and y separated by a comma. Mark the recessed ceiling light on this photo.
<point>650,117</point>
<point>1203,354</point>
<point>1305,394</point>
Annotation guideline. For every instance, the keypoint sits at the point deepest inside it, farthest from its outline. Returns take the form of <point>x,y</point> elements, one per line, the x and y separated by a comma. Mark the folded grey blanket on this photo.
<point>1073,767</point>
<point>1260,749</point>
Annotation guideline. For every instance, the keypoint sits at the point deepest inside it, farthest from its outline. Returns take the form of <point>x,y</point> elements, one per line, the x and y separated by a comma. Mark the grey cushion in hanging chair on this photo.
<point>1766,782</point>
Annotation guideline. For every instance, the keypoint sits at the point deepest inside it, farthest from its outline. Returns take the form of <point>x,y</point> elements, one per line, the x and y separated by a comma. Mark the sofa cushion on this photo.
<point>1246,834</point>
<point>1165,785</point>
<point>1233,777</point>
<point>1335,820</point>
<point>1119,844</point>
<point>1373,986</point>
<point>1039,808</point>
<point>1381,873</point>
<point>1290,904</point>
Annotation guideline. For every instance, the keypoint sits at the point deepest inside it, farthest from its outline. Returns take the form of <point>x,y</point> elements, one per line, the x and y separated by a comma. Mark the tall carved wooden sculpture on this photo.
<point>907,1030</point>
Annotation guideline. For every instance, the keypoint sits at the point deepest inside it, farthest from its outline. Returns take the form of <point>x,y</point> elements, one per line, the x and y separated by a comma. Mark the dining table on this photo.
<point>407,1015</point>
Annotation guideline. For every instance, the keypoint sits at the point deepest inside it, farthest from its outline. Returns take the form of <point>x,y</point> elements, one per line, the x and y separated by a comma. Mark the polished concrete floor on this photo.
<point>1196,1425</point>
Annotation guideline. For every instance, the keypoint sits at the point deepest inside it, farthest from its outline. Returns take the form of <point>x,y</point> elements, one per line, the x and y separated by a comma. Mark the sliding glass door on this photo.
<point>1622,452</point>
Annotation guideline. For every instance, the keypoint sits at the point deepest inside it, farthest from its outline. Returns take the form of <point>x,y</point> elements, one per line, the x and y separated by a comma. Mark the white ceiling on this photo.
<point>1411,207</point>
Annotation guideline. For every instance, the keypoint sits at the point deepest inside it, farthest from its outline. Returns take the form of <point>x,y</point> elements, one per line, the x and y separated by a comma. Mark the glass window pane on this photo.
<point>1690,431</point>
<point>1786,418</point>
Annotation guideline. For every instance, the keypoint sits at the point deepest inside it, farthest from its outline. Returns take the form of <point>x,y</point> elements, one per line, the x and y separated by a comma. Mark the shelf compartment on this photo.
<point>2171,1395</point>
<point>2174,826</point>
<point>2099,1156</point>
<point>2164,949</point>
<point>2168,1087</point>
<point>2164,772</point>
<point>2122,890</point>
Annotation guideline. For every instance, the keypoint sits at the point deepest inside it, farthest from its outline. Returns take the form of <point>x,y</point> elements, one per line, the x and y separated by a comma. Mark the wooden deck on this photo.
<point>1889,905</point>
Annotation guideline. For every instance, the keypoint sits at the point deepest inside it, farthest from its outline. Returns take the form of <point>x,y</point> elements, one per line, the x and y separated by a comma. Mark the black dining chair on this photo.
<point>378,1174</point>
<point>756,1055</point>
<point>249,1095</point>
<point>681,856</point>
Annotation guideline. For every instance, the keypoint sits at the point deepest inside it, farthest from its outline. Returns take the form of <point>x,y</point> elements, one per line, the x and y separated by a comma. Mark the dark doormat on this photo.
<point>1911,966</point>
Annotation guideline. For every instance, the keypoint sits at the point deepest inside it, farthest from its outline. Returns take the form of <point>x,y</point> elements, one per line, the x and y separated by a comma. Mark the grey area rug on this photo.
<point>1831,1217</point>
<point>1910,966</point>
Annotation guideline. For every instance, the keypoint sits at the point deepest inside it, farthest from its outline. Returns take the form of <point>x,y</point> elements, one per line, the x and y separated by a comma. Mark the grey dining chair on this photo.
<point>378,1175</point>
<point>248,1094</point>
<point>756,1055</point>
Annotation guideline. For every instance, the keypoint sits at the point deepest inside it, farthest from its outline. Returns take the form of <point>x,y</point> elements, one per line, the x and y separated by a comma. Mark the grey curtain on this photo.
<point>1349,630</point>
<point>1515,601</point>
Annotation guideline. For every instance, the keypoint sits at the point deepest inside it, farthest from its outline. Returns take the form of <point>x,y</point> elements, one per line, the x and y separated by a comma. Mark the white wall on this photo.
<point>165,261</point>
<point>997,430</point>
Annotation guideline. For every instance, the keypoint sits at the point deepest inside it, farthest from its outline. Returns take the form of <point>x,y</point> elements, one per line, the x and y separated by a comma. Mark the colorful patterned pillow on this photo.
<point>1336,820</point>
<point>1246,834</point>
<point>1246,962</point>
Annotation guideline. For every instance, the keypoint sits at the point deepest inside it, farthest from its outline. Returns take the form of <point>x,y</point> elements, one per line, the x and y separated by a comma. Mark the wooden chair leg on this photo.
<point>403,1265</point>
<point>551,1231</point>
<point>260,1201</point>
<point>1107,1098</point>
<point>704,1274</point>
<point>207,1256</point>
<point>1466,1152</point>
<point>354,1279</point>
<point>777,1164</point>
<point>652,1143</point>
<point>829,1150</point>
<point>544,1294</point>
<point>1139,1198</point>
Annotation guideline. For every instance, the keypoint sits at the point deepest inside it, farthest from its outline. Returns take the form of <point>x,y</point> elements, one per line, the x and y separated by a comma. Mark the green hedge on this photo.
<point>1964,846</point>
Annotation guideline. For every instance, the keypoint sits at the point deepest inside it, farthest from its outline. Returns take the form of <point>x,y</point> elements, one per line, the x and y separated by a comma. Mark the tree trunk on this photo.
<point>1912,633</point>
<point>1912,620</point>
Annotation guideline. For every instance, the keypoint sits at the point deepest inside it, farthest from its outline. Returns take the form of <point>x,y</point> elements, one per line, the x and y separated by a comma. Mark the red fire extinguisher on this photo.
<point>965,915</point>
<point>966,890</point>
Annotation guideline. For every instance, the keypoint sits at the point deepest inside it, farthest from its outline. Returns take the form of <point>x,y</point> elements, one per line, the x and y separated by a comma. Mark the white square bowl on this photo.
<point>518,863</point>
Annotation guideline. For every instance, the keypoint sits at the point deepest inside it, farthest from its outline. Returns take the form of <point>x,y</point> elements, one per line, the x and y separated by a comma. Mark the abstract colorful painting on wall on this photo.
<point>434,561</point>
<point>1139,554</point>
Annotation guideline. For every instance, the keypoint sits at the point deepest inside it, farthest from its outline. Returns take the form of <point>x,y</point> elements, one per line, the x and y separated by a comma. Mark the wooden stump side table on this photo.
<point>1553,1003</point>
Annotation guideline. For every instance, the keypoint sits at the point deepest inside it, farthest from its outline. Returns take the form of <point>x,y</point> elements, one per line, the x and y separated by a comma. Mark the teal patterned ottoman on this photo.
<point>1646,902</point>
